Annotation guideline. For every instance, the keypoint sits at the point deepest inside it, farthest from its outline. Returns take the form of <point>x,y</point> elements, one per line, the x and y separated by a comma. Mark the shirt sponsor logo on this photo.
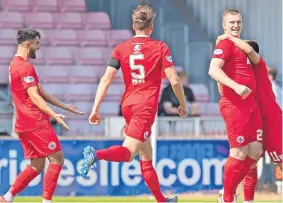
<point>218,51</point>
<point>29,79</point>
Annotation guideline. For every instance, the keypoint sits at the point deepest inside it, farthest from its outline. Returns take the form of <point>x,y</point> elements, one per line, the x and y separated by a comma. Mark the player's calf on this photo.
<point>52,175</point>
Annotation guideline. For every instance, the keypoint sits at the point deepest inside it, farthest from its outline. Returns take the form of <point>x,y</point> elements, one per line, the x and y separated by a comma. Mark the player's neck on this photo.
<point>142,33</point>
<point>22,53</point>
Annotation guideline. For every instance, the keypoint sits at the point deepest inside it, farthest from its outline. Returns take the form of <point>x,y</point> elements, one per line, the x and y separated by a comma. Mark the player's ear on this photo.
<point>134,27</point>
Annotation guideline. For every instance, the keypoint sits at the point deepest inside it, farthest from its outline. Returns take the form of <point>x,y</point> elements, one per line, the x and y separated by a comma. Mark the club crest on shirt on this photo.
<point>218,51</point>
<point>137,48</point>
<point>169,58</point>
<point>29,79</point>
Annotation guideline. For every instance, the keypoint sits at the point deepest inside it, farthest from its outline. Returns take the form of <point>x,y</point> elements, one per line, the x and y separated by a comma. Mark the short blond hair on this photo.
<point>230,11</point>
<point>143,16</point>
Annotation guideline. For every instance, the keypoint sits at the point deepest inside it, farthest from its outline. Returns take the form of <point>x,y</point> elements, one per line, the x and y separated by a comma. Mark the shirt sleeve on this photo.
<point>224,50</point>
<point>28,76</point>
<point>166,57</point>
<point>116,53</point>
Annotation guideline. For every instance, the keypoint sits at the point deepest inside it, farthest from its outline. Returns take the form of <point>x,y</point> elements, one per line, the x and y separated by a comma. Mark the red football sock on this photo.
<point>249,183</point>
<point>23,179</point>
<point>114,153</point>
<point>234,172</point>
<point>50,180</point>
<point>150,177</point>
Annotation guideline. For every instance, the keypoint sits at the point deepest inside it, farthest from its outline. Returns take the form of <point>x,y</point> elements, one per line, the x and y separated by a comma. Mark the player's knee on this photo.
<point>239,152</point>
<point>145,156</point>
<point>57,158</point>
<point>255,150</point>
<point>38,164</point>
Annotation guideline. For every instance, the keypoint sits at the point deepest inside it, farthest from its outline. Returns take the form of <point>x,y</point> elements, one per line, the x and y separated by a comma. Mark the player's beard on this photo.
<point>32,54</point>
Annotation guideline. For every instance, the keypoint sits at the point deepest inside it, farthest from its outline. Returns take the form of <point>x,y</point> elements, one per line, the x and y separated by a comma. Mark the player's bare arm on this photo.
<point>178,90</point>
<point>51,99</point>
<point>216,72</point>
<point>103,86</point>
<point>169,108</point>
<point>42,105</point>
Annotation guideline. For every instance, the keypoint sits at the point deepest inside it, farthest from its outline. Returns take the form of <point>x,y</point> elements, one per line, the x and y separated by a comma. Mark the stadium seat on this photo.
<point>81,92</point>
<point>45,5</point>
<point>213,109</point>
<point>72,5</point>
<point>69,20</point>
<point>58,90</point>
<point>11,20</point>
<point>84,106</point>
<point>92,38</point>
<point>90,56</point>
<point>110,108</point>
<point>44,39</point>
<point>63,37</point>
<point>8,37</point>
<point>97,20</point>
<point>4,76</point>
<point>107,52</point>
<point>58,56</point>
<point>58,74</point>
<point>16,5</point>
<point>202,108</point>
<point>83,74</point>
<point>117,36</point>
<point>6,54</point>
<point>82,127</point>
<point>40,20</point>
<point>115,92</point>
<point>201,92</point>
<point>39,57</point>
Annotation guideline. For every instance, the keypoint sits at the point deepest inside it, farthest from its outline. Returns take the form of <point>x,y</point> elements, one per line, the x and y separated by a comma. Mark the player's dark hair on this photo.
<point>27,34</point>
<point>254,45</point>
<point>143,16</point>
<point>230,11</point>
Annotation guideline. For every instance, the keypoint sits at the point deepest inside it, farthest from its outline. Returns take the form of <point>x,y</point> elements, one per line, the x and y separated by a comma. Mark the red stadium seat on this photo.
<point>64,37</point>
<point>213,109</point>
<point>40,20</point>
<point>45,5</point>
<point>8,37</point>
<point>58,56</point>
<point>57,74</point>
<point>72,5</point>
<point>81,92</point>
<point>16,5</point>
<point>11,20</point>
<point>115,92</point>
<point>83,74</point>
<point>97,20</point>
<point>69,20</point>
<point>90,56</point>
<point>6,54</point>
<point>92,38</point>
<point>117,36</point>
<point>44,40</point>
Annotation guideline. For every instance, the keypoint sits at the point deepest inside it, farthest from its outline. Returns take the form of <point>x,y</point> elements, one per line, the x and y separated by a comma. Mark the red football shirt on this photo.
<point>237,67</point>
<point>264,93</point>
<point>22,75</point>
<point>143,61</point>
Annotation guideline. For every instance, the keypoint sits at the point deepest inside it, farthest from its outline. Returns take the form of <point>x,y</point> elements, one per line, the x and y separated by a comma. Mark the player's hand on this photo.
<point>94,118</point>
<point>183,111</point>
<point>59,118</point>
<point>243,91</point>
<point>222,37</point>
<point>73,109</point>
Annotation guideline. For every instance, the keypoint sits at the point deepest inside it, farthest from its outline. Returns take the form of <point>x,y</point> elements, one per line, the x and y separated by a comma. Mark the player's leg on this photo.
<point>149,174</point>
<point>238,163</point>
<point>249,183</point>
<point>52,174</point>
<point>28,174</point>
